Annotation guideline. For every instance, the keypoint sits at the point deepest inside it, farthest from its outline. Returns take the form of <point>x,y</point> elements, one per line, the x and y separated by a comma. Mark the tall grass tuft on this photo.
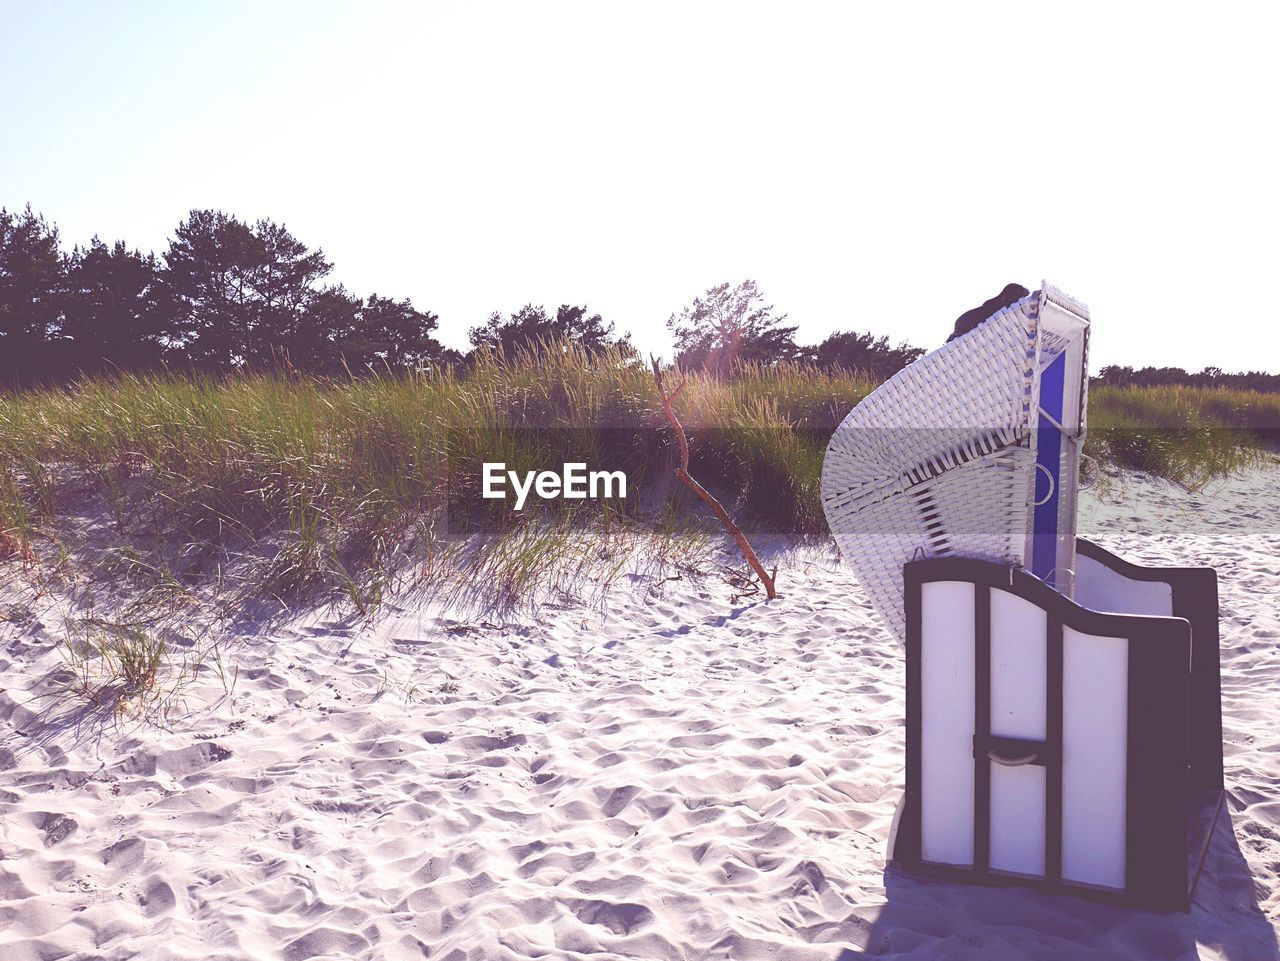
<point>1188,435</point>
<point>114,662</point>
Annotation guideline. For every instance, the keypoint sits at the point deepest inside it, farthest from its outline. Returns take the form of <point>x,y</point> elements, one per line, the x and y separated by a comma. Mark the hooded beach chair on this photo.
<point>1063,711</point>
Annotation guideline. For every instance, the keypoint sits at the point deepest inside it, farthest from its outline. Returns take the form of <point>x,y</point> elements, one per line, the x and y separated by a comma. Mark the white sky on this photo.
<point>876,167</point>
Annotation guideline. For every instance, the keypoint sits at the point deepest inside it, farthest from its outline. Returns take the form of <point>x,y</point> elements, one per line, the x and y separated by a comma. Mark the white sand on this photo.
<point>681,778</point>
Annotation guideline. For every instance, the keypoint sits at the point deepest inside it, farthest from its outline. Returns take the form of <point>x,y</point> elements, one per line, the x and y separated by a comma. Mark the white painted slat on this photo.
<point>1019,655</point>
<point>946,722</point>
<point>1017,818</point>
<point>1095,713</point>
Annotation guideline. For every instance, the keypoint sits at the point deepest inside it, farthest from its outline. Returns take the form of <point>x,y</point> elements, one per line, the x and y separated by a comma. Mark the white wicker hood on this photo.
<point>942,459</point>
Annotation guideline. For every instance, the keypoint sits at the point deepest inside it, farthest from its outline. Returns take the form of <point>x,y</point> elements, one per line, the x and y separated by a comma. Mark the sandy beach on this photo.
<point>471,475</point>
<point>666,775</point>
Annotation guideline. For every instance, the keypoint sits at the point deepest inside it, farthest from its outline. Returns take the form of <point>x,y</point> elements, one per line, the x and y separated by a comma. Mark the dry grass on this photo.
<point>337,484</point>
<point>1188,435</point>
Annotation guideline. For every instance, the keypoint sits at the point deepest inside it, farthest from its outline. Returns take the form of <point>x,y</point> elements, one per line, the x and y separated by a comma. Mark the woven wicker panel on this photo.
<point>939,459</point>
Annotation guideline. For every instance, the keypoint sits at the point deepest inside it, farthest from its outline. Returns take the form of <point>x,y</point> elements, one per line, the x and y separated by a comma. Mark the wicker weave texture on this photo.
<point>940,459</point>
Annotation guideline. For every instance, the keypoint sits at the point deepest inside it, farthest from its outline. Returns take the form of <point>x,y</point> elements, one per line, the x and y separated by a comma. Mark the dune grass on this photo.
<point>332,479</point>
<point>1186,434</point>
<point>338,476</point>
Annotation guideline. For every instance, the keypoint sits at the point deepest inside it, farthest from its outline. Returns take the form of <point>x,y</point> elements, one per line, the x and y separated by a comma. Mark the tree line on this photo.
<point>225,295</point>
<point>228,295</point>
<point>1177,377</point>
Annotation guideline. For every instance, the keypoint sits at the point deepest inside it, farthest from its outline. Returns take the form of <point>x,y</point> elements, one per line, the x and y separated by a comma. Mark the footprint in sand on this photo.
<point>157,898</point>
<point>620,918</point>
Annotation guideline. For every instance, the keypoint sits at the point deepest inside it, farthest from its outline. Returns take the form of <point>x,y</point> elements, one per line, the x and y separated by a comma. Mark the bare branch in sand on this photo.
<point>682,472</point>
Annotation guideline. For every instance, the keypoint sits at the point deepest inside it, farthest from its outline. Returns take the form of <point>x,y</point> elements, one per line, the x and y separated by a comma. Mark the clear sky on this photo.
<point>873,166</point>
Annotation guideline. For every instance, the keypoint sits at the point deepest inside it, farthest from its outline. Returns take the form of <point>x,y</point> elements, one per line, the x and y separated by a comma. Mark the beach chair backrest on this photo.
<point>972,451</point>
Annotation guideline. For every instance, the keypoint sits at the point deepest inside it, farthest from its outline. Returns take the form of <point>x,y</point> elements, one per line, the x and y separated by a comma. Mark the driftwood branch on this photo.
<point>682,472</point>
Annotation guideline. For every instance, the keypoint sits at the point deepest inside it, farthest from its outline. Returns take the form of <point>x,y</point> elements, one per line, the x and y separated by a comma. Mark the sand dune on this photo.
<point>672,776</point>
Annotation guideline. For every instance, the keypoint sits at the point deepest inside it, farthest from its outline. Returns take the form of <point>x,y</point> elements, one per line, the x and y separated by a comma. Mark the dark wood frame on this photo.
<point>1167,756</point>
